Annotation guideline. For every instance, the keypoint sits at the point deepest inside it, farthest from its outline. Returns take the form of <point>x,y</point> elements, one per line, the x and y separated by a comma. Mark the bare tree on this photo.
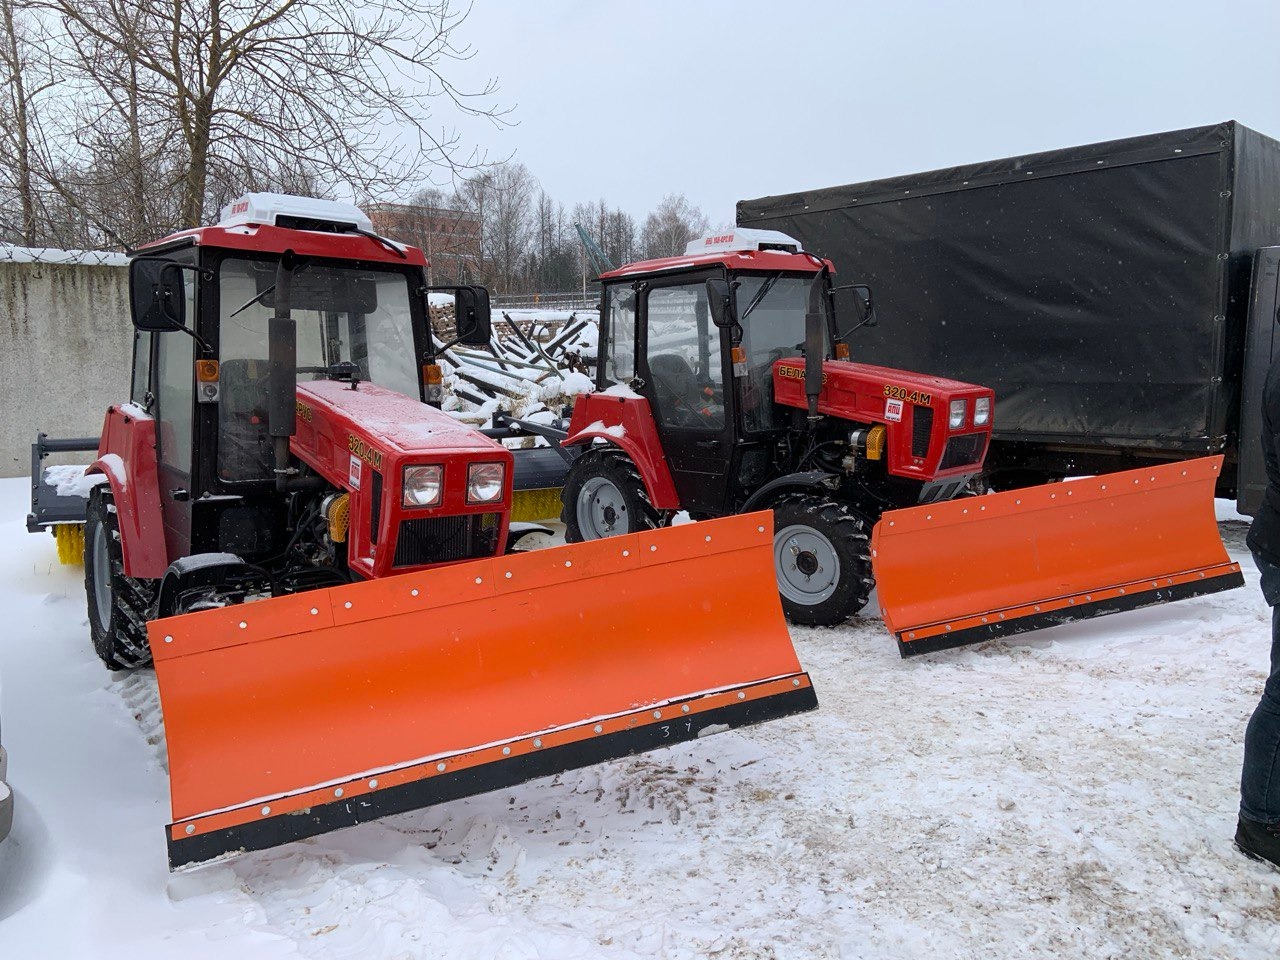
<point>271,90</point>
<point>26,74</point>
<point>508,229</point>
<point>502,198</point>
<point>670,227</point>
<point>613,229</point>
<point>620,237</point>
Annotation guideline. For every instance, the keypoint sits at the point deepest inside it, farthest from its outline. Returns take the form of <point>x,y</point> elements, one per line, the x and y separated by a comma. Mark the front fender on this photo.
<point>808,481</point>
<point>193,572</point>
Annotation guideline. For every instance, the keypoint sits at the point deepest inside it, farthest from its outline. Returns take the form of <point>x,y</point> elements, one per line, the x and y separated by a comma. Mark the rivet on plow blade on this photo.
<point>385,702</point>
<point>1031,559</point>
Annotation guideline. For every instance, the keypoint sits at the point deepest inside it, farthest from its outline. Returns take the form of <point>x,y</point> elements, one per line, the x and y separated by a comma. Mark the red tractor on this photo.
<point>724,385</point>
<point>315,557</point>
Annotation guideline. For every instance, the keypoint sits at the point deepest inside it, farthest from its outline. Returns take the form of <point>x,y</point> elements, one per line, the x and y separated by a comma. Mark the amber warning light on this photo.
<point>207,389</point>
<point>433,378</point>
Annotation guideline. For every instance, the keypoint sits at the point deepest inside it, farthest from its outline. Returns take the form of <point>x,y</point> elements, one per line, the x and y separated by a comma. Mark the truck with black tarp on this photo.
<point>1119,297</point>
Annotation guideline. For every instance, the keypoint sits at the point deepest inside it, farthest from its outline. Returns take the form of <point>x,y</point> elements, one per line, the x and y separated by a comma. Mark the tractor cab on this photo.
<point>234,321</point>
<point>697,336</point>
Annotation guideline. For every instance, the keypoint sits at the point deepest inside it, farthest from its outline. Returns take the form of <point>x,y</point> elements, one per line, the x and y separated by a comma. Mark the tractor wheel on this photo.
<point>822,555</point>
<point>604,496</point>
<point>117,604</point>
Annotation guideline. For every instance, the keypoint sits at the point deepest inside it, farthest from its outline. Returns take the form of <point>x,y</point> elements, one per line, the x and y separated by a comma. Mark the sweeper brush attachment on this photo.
<point>983,567</point>
<point>289,717</point>
<point>69,538</point>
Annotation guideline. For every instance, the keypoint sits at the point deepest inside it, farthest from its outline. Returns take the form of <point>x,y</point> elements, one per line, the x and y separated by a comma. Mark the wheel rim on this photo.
<point>602,510</point>
<point>807,564</point>
<point>101,575</point>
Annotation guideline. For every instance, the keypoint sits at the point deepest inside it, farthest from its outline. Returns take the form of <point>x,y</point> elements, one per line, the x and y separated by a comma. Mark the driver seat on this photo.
<point>674,383</point>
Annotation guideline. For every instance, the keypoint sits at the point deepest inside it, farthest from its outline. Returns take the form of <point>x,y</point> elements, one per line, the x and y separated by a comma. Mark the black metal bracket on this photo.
<point>47,507</point>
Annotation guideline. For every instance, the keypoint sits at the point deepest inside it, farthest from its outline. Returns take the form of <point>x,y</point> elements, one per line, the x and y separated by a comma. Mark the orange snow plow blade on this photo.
<point>290,717</point>
<point>969,570</point>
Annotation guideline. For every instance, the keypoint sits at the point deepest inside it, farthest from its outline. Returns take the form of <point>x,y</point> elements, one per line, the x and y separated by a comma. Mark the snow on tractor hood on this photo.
<point>392,419</point>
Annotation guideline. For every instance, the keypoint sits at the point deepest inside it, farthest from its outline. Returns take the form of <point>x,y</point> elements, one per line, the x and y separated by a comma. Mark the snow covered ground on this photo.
<point>1068,795</point>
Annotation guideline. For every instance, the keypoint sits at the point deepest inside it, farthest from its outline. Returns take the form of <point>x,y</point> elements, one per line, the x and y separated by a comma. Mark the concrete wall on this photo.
<point>65,353</point>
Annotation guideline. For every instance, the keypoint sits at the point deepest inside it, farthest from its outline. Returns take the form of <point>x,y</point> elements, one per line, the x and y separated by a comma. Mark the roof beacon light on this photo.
<point>740,239</point>
<point>298,213</point>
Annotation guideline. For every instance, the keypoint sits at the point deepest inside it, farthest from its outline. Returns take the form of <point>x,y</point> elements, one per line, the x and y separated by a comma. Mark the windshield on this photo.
<point>342,314</point>
<point>771,308</point>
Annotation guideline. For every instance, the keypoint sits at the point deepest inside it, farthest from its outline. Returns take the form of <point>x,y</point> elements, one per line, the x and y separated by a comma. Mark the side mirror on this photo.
<point>718,299</point>
<point>866,304</point>
<point>157,295</point>
<point>851,317</point>
<point>472,318</point>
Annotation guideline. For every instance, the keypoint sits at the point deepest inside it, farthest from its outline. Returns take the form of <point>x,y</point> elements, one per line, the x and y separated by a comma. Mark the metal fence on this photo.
<point>51,256</point>
<point>562,300</point>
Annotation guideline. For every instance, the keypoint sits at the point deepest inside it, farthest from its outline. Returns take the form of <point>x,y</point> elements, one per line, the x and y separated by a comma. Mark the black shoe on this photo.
<point>1259,841</point>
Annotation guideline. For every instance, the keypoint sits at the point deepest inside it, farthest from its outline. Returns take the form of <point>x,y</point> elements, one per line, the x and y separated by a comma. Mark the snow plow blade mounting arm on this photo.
<point>290,717</point>
<point>978,568</point>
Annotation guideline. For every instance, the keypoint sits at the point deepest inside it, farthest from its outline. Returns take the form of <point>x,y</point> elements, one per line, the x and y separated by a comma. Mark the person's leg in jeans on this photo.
<point>1260,781</point>
<point>1259,830</point>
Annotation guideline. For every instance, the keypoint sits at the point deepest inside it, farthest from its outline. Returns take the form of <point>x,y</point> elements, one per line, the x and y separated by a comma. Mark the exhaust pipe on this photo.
<point>815,343</point>
<point>282,371</point>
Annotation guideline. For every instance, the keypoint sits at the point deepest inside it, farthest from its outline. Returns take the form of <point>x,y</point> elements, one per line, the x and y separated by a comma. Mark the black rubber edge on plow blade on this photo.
<point>1081,611</point>
<point>273,831</point>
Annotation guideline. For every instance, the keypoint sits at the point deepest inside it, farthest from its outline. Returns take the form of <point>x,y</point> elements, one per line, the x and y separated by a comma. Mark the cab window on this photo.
<point>342,314</point>
<point>684,357</point>
<point>620,308</point>
<point>771,309</point>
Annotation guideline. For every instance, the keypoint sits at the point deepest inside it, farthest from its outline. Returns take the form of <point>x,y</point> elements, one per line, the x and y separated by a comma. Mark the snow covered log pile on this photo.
<point>536,363</point>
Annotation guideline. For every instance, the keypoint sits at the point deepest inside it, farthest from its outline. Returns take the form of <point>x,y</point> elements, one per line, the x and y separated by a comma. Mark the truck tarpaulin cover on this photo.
<point>1094,288</point>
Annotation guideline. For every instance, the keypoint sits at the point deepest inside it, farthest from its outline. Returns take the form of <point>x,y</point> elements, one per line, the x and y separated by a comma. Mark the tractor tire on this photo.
<point>117,604</point>
<point>604,496</point>
<point>822,555</point>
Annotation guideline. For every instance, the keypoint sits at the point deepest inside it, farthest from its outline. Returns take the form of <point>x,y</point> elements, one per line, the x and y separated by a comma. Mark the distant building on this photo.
<point>450,238</point>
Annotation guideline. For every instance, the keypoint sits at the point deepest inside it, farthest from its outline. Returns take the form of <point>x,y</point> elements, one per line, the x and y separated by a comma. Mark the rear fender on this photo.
<point>127,458</point>
<point>627,423</point>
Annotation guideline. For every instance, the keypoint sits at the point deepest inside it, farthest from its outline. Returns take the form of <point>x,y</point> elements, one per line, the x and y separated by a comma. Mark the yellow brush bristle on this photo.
<point>531,505</point>
<point>70,540</point>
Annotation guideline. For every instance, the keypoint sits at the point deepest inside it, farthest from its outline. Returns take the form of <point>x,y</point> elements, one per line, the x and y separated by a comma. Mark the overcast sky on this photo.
<point>723,101</point>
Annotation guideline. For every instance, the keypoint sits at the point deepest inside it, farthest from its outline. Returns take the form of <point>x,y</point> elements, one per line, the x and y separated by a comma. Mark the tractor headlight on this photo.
<point>982,411</point>
<point>956,420</point>
<point>423,486</point>
<point>485,482</point>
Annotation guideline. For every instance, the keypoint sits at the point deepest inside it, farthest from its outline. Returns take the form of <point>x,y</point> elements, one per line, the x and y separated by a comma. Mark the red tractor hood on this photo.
<point>362,440</point>
<point>868,394</point>
<point>391,421</point>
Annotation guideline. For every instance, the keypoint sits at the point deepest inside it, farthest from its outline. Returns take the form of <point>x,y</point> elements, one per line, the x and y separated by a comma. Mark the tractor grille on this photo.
<point>441,539</point>
<point>375,505</point>
<point>962,451</point>
<point>921,428</point>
